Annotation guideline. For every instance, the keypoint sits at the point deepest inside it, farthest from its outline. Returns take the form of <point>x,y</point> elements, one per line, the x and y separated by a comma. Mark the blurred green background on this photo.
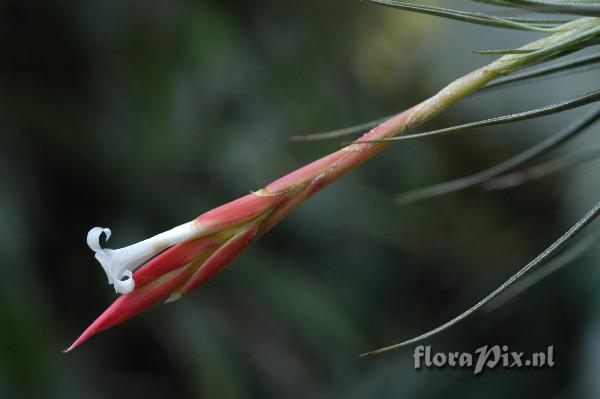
<point>142,115</point>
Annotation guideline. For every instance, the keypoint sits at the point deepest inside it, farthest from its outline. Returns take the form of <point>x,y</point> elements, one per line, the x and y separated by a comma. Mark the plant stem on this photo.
<point>224,232</point>
<point>320,173</point>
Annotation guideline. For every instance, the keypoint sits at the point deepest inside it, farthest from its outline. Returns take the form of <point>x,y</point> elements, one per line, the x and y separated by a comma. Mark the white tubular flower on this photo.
<point>118,264</point>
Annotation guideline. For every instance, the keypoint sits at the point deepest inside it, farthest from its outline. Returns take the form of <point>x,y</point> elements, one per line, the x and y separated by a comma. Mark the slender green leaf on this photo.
<point>538,171</point>
<point>577,65</point>
<point>465,16</point>
<point>577,7</point>
<point>542,258</point>
<point>500,120</point>
<point>510,164</point>
<point>573,43</point>
<point>341,132</point>
<point>581,64</point>
<point>503,52</point>
<point>569,255</point>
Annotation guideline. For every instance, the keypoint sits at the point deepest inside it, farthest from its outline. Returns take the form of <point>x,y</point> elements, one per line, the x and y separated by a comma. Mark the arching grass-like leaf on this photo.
<point>544,169</point>
<point>570,254</point>
<point>510,164</point>
<point>466,16</point>
<point>347,131</point>
<point>565,105</point>
<point>581,64</point>
<point>542,258</point>
<point>503,52</point>
<point>573,42</point>
<point>576,7</point>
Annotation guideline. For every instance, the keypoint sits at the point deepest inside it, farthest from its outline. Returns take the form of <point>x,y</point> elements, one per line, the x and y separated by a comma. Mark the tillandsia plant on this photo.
<point>176,262</point>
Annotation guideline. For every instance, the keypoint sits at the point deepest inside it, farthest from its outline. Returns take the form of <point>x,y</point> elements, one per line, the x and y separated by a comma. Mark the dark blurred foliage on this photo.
<point>141,115</point>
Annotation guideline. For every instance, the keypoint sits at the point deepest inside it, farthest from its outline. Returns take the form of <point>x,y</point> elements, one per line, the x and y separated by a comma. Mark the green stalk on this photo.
<point>320,173</point>
<point>184,257</point>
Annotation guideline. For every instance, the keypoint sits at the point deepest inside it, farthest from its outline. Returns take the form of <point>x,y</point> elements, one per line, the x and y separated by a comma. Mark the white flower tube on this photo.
<point>118,264</point>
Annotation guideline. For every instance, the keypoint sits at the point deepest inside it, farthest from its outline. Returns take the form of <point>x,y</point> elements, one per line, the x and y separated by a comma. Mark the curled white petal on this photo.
<point>119,264</point>
<point>125,284</point>
<point>93,238</point>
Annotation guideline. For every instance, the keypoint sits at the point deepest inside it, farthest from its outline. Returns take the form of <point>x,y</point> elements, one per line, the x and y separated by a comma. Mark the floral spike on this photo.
<point>206,243</point>
<point>174,263</point>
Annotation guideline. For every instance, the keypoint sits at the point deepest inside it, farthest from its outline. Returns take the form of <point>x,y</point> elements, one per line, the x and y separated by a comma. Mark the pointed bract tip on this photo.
<point>87,334</point>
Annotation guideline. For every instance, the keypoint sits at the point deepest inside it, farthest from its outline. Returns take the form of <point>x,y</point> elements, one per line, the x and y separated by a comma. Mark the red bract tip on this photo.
<point>183,267</point>
<point>155,282</point>
<point>198,250</point>
<point>127,306</point>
